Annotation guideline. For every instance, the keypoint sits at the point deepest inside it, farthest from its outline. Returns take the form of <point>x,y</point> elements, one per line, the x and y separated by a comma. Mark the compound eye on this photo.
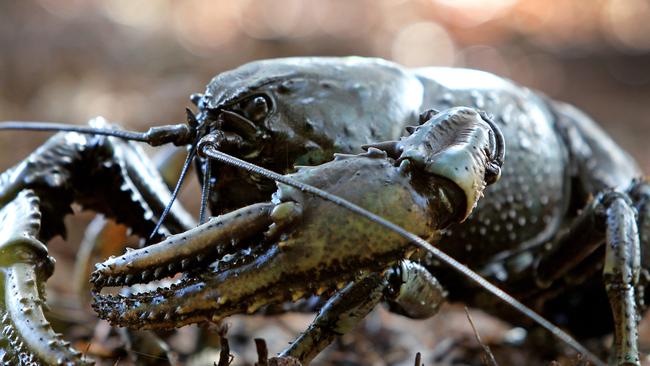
<point>256,109</point>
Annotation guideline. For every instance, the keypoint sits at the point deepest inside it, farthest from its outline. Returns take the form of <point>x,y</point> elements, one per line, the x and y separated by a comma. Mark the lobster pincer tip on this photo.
<point>27,337</point>
<point>195,248</point>
<point>460,145</point>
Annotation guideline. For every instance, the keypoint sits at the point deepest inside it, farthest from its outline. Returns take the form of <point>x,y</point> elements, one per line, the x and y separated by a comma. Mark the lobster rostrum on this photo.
<point>563,177</point>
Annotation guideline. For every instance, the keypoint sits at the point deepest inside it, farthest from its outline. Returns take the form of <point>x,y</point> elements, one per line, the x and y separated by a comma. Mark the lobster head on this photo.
<point>300,111</point>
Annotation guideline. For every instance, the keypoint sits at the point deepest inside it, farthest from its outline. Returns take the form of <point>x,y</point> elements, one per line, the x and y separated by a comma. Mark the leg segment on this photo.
<point>339,316</point>
<point>621,276</point>
<point>413,291</point>
<point>611,219</point>
<point>408,288</point>
<point>640,194</point>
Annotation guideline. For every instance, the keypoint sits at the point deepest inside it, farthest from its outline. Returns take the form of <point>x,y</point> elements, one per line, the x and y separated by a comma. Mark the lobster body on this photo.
<point>324,105</point>
<point>558,160</point>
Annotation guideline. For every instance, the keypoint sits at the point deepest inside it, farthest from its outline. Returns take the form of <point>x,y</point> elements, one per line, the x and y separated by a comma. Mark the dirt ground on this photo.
<point>136,63</point>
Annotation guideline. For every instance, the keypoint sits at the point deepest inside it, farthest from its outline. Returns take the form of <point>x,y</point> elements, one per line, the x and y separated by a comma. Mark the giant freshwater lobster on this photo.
<point>567,216</point>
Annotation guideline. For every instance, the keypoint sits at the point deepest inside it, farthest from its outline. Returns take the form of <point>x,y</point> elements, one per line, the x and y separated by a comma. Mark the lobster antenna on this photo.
<point>179,183</point>
<point>52,126</point>
<point>208,149</point>
<point>179,134</point>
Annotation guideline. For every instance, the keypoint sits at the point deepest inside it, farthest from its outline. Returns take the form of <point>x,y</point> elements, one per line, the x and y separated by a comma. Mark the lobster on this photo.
<point>567,210</point>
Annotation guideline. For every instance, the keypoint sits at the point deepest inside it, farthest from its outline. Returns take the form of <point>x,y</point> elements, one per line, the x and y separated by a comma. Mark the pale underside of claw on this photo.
<point>455,144</point>
<point>27,337</point>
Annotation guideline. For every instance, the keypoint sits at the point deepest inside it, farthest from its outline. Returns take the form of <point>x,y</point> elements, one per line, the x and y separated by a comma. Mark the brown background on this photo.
<point>136,62</point>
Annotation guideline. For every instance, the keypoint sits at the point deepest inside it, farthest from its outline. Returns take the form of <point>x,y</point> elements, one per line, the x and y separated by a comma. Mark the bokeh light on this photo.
<point>136,61</point>
<point>68,60</point>
<point>627,24</point>
<point>423,44</point>
<point>470,13</point>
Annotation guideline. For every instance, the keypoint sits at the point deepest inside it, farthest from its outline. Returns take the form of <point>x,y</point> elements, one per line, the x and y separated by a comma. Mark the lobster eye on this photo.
<point>256,109</point>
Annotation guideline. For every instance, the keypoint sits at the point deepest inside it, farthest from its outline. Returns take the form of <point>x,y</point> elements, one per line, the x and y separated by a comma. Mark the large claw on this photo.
<point>27,337</point>
<point>298,245</point>
<point>102,173</point>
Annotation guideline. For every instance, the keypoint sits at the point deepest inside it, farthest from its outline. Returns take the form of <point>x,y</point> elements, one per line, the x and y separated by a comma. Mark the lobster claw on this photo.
<point>297,244</point>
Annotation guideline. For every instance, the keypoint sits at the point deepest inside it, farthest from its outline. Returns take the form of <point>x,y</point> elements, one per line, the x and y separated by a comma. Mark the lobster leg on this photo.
<point>340,315</point>
<point>610,218</point>
<point>621,276</point>
<point>640,194</point>
<point>408,288</point>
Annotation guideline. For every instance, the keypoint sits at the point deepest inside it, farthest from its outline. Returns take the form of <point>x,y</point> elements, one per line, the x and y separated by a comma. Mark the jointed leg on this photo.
<point>408,287</point>
<point>640,194</point>
<point>339,316</point>
<point>621,276</point>
<point>609,219</point>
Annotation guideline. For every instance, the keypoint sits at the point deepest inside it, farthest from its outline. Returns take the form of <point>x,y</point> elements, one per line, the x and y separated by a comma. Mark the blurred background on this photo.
<point>136,62</point>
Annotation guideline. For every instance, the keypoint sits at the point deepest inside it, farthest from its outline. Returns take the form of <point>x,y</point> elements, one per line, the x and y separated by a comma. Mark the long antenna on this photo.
<point>208,149</point>
<point>56,127</point>
<point>179,134</point>
<point>177,188</point>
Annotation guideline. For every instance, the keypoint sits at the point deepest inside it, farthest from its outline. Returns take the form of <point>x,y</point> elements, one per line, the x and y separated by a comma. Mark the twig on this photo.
<point>225,358</point>
<point>580,361</point>
<point>262,352</point>
<point>487,357</point>
<point>418,359</point>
